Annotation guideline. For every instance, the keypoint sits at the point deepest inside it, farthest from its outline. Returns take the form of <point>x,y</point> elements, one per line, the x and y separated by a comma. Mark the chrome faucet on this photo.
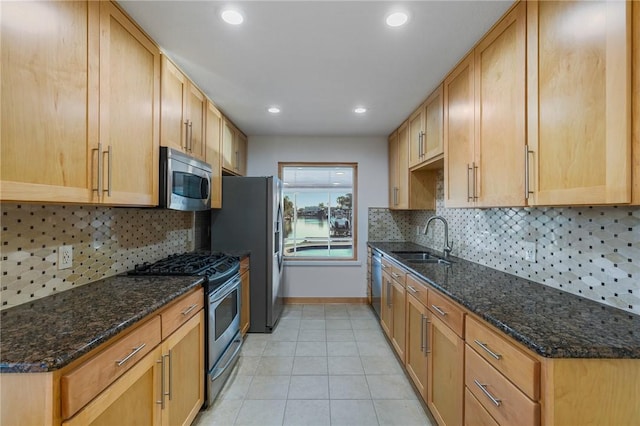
<point>447,247</point>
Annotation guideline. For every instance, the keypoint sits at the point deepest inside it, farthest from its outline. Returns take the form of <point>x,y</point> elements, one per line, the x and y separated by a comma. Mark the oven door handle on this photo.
<point>225,290</point>
<point>229,360</point>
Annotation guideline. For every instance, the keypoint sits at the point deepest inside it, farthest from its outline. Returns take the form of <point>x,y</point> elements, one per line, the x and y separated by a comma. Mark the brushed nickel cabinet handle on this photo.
<point>162,380</point>
<point>99,160</point>
<point>426,335</point>
<point>422,344</point>
<point>170,373</point>
<point>185,146</point>
<point>128,357</point>
<point>475,182</point>
<point>469,197</point>
<point>394,275</point>
<point>110,169</point>
<point>527,171</point>
<point>438,310</point>
<point>189,309</point>
<point>489,351</point>
<point>412,289</point>
<point>483,388</point>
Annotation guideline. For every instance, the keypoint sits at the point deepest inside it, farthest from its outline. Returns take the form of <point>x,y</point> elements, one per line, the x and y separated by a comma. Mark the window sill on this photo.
<point>322,263</point>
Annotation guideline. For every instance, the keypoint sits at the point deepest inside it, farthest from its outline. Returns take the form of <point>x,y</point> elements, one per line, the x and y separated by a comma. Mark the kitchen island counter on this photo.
<point>551,322</point>
<point>51,332</point>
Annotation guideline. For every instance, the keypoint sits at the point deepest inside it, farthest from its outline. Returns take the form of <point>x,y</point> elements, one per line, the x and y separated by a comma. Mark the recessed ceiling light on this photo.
<point>397,19</point>
<point>360,110</point>
<point>273,110</point>
<point>232,17</point>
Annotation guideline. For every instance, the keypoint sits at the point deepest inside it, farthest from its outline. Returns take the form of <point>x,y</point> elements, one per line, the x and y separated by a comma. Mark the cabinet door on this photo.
<point>433,139</point>
<point>241,153</point>
<point>398,301</point>
<point>228,146</point>
<point>445,388</point>
<point>459,168</point>
<point>500,140</point>
<point>174,105</point>
<point>579,101</point>
<point>635,109</point>
<point>386,312</point>
<point>213,152</point>
<point>183,354</point>
<point>402,176</point>
<point>132,397</point>
<point>416,135</point>
<point>49,101</point>
<point>416,354</point>
<point>245,312</point>
<point>129,110</point>
<point>393,170</point>
<point>196,108</point>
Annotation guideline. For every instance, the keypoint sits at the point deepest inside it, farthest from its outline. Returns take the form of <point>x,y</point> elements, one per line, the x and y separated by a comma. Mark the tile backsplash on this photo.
<point>106,241</point>
<point>593,252</point>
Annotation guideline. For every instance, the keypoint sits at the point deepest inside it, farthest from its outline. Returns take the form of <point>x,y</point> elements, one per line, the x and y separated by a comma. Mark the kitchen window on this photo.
<point>319,210</point>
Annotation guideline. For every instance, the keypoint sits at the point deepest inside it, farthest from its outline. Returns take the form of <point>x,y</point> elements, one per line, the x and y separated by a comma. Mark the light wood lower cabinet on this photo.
<point>416,352</point>
<point>132,399</point>
<point>245,310</point>
<point>398,301</point>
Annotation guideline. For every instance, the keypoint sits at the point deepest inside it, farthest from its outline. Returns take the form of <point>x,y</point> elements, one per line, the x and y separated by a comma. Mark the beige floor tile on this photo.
<point>380,365</point>
<point>285,335</point>
<point>312,336</point>
<point>307,413</point>
<point>310,365</point>
<point>288,323</point>
<point>275,366</point>
<point>253,347</point>
<point>309,387</point>
<point>247,365</point>
<point>340,336</point>
<point>336,311</point>
<point>342,349</point>
<point>297,314</point>
<point>342,365</point>
<point>353,413</point>
<point>365,324</point>
<point>368,348</point>
<point>268,387</point>
<point>311,349</point>
<point>222,413</point>
<point>348,387</point>
<point>277,348</point>
<point>393,386</point>
<point>400,413</point>
<point>338,324</point>
<point>236,387</point>
<point>312,324</point>
<point>313,309</point>
<point>369,336</point>
<point>261,413</point>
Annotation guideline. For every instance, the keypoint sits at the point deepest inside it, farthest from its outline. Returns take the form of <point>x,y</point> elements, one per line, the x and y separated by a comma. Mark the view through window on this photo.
<point>319,210</point>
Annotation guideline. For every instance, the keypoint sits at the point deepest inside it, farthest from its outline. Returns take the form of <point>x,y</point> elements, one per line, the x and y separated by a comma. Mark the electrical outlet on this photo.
<point>189,235</point>
<point>418,229</point>
<point>530,251</point>
<point>65,257</point>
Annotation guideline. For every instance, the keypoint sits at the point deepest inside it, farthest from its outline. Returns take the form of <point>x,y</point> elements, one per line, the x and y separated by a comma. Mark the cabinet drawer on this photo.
<point>180,311</point>
<point>417,289</point>
<point>474,412</point>
<point>509,405</point>
<point>447,311</point>
<point>395,271</point>
<point>85,382</point>
<point>519,367</point>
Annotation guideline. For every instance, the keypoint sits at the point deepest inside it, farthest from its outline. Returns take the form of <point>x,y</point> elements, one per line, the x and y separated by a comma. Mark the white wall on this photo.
<point>329,279</point>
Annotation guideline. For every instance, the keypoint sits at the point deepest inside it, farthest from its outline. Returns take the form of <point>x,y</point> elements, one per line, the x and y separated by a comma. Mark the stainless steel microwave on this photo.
<point>185,182</point>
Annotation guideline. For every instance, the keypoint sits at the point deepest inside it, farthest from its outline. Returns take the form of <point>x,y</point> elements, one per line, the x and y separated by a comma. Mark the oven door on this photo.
<point>224,318</point>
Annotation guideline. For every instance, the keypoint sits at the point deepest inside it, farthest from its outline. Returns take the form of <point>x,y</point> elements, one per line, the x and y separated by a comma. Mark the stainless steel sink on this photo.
<point>420,257</point>
<point>431,260</point>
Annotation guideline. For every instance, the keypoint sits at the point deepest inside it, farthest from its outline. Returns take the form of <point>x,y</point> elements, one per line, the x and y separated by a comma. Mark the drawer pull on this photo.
<point>395,275</point>
<point>438,310</point>
<point>189,309</point>
<point>128,357</point>
<point>489,351</point>
<point>483,388</point>
<point>413,290</point>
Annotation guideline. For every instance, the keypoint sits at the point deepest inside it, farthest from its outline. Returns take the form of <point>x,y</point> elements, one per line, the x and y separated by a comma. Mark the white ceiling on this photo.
<point>316,60</point>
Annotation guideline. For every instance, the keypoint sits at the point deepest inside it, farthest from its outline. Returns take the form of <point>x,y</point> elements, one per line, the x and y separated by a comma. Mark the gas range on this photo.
<point>217,267</point>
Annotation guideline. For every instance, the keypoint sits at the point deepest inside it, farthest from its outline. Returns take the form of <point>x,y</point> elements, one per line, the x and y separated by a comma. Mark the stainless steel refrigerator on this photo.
<point>251,219</point>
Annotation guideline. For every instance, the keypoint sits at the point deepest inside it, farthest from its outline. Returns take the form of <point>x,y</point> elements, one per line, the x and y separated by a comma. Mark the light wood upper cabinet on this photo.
<point>234,149</point>
<point>500,130</point>
<point>579,102</point>
<point>485,131</point>
<point>399,168</point>
<point>459,165</point>
<point>213,152</point>
<point>49,115</point>
<point>635,109</point>
<point>425,129</point>
<point>183,112</point>
<point>129,110</point>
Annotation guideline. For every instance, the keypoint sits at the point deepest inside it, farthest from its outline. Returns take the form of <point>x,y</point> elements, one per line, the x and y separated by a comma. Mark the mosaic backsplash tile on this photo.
<point>593,252</point>
<point>106,241</point>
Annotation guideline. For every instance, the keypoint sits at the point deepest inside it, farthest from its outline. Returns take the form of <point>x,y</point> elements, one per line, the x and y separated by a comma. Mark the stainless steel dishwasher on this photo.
<point>376,281</point>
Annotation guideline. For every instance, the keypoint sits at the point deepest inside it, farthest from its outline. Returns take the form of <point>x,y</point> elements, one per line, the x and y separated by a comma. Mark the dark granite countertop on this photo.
<point>551,322</point>
<point>49,333</point>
